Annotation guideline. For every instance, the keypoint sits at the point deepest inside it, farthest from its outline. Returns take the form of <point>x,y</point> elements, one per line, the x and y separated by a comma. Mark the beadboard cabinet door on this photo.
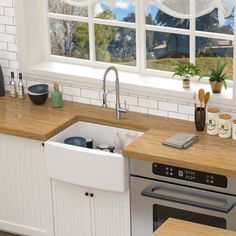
<point>101,213</point>
<point>25,189</point>
<point>72,211</point>
<point>110,213</point>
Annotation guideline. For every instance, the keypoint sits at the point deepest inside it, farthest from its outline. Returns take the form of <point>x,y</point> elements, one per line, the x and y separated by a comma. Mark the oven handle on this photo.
<point>149,192</point>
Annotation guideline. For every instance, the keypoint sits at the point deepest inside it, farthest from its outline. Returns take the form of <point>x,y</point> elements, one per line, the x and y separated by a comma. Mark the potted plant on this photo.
<point>217,77</point>
<point>186,72</point>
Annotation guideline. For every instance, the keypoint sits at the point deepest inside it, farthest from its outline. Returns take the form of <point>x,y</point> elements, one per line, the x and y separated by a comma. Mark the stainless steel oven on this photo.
<point>162,191</point>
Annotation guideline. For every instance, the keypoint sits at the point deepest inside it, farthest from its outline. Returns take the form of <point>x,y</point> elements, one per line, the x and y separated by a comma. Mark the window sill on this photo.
<point>141,84</point>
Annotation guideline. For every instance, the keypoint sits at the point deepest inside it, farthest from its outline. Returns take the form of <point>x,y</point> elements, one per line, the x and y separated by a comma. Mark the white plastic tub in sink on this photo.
<point>90,167</point>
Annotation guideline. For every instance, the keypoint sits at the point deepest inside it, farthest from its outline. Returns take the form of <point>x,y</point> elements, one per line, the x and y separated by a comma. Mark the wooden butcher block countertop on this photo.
<point>211,154</point>
<point>22,118</point>
<point>174,227</point>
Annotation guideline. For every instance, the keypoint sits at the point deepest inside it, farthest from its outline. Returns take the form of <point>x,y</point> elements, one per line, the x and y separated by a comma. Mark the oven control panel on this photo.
<point>189,175</point>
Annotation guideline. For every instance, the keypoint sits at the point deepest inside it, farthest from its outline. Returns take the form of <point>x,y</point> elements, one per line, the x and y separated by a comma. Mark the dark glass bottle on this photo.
<point>2,85</point>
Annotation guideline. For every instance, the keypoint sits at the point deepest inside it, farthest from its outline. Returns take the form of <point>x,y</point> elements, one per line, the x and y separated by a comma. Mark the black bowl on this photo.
<point>38,88</point>
<point>38,99</point>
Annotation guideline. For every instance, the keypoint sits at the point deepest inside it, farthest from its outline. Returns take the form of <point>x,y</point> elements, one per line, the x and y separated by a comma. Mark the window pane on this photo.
<point>208,50</point>
<point>116,10</point>
<point>165,50</point>
<point>157,17</point>
<point>69,39</point>
<point>115,44</point>
<point>210,23</point>
<point>57,6</point>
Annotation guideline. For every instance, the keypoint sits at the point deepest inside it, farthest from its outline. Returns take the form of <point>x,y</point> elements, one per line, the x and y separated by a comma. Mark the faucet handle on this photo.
<point>125,103</point>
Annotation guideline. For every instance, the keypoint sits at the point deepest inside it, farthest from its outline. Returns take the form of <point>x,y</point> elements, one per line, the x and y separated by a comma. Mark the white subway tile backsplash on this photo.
<point>138,109</point>
<point>9,38</point>
<point>86,93</point>
<point>9,11</point>
<point>6,3</point>
<point>3,46</point>
<point>6,20</point>
<point>10,29</point>
<point>12,47</point>
<point>96,102</point>
<point>67,97</point>
<point>14,65</point>
<point>147,103</point>
<point>74,91</point>
<point>130,100</point>
<point>8,55</point>
<point>2,29</point>
<point>178,116</point>
<point>1,11</point>
<point>167,106</point>
<point>186,109</point>
<point>4,63</point>
<point>157,112</point>
<point>81,100</point>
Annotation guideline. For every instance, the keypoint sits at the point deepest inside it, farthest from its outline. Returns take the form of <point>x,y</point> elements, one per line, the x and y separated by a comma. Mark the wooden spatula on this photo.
<point>201,95</point>
<point>206,99</point>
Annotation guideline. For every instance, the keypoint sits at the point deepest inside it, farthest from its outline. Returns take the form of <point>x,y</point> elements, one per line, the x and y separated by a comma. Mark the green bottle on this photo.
<point>56,97</point>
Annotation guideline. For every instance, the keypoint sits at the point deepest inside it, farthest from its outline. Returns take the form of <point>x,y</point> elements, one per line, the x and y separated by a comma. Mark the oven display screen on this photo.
<point>189,175</point>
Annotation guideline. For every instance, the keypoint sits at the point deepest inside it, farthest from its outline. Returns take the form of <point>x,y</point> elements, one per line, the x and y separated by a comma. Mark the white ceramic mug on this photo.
<point>225,126</point>
<point>234,129</point>
<point>213,121</point>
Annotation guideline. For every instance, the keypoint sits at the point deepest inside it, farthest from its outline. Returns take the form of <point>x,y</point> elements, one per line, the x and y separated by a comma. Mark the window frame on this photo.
<point>35,61</point>
<point>141,28</point>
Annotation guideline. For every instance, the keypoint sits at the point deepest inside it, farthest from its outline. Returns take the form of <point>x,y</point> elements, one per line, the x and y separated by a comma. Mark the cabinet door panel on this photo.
<point>25,190</point>
<point>110,213</point>
<point>71,210</point>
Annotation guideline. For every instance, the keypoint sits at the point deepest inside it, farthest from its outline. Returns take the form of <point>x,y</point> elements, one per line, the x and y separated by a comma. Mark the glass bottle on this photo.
<point>56,97</point>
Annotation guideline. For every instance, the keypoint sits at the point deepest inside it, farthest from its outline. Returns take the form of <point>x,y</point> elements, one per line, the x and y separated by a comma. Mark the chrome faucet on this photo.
<point>119,110</point>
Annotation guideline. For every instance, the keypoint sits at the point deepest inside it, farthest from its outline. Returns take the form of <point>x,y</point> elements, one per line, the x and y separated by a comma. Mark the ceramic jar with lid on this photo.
<point>213,120</point>
<point>225,126</point>
<point>234,129</point>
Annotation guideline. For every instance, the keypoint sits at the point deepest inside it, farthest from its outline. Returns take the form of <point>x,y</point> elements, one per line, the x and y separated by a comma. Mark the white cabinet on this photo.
<point>80,211</point>
<point>25,190</point>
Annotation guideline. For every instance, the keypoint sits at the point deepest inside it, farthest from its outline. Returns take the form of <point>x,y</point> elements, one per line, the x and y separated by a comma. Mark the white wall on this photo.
<point>87,93</point>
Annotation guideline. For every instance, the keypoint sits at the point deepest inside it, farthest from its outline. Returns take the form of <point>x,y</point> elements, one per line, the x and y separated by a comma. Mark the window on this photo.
<point>94,33</point>
<point>139,35</point>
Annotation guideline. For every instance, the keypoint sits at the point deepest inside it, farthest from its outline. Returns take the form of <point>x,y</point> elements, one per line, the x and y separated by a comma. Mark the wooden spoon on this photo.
<point>201,95</point>
<point>206,98</point>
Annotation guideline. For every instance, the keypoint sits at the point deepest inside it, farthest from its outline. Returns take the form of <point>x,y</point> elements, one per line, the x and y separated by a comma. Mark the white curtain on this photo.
<point>183,9</point>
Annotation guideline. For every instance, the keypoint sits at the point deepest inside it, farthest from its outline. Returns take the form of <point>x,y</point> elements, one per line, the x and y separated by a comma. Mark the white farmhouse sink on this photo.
<point>90,167</point>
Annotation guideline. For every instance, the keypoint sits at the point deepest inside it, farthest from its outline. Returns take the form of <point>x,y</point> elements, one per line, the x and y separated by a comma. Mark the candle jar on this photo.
<point>225,126</point>
<point>234,129</point>
<point>213,121</point>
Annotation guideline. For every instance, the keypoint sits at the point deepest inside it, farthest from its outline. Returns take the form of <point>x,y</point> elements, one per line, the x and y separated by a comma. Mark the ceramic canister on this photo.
<point>234,129</point>
<point>225,126</point>
<point>213,121</point>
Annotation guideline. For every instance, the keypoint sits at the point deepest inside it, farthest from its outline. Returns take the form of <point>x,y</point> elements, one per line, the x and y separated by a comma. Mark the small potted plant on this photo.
<point>217,77</point>
<point>186,72</point>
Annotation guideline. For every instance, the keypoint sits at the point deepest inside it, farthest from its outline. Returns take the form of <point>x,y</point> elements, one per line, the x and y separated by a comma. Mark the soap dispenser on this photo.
<point>56,97</point>
<point>2,85</point>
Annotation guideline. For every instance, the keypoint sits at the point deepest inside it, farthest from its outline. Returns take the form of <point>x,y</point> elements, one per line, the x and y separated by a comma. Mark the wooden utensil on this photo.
<point>201,94</point>
<point>206,99</point>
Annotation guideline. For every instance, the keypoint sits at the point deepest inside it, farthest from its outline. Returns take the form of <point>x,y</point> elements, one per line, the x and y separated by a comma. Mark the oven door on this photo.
<point>153,202</point>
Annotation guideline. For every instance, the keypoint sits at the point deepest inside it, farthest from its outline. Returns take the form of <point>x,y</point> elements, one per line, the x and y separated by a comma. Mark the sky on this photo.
<point>122,9</point>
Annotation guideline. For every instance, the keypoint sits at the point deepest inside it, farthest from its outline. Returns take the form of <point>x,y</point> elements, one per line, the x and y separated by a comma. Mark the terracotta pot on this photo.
<point>216,86</point>
<point>186,83</point>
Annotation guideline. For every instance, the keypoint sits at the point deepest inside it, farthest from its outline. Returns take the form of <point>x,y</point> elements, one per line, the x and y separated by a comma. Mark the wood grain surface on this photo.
<point>22,118</point>
<point>210,153</point>
<point>174,227</point>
